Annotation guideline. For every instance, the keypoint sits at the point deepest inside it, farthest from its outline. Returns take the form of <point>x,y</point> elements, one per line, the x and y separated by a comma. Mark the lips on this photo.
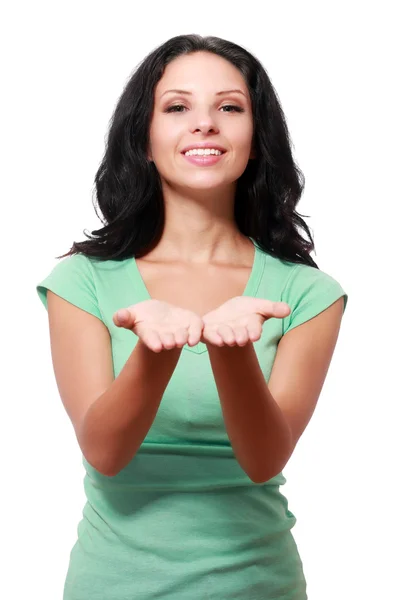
<point>207,160</point>
<point>204,147</point>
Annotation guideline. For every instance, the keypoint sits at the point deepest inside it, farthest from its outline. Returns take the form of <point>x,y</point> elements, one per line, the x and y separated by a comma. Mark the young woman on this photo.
<point>191,337</point>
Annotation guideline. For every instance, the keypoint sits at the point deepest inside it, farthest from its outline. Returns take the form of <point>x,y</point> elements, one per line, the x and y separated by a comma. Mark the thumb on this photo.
<point>281,309</point>
<point>122,317</point>
<point>271,309</point>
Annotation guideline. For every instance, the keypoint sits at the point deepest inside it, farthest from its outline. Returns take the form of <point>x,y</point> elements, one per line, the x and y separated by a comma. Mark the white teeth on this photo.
<point>202,152</point>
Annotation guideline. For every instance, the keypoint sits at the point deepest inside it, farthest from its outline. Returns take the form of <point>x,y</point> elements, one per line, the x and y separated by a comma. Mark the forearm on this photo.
<point>257,429</point>
<point>116,424</point>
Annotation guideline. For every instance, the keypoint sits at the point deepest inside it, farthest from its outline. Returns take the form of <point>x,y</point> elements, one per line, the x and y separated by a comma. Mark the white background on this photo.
<point>64,65</point>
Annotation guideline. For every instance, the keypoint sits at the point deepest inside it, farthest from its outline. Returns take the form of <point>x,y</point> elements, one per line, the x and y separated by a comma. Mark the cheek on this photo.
<point>243,137</point>
<point>164,142</point>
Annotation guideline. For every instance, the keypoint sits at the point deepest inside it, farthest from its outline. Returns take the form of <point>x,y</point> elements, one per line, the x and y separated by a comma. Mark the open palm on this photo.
<point>240,320</point>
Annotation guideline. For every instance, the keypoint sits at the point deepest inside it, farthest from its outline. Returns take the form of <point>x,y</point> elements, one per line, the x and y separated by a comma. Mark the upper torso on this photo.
<point>189,423</point>
<point>199,288</point>
<point>183,508</point>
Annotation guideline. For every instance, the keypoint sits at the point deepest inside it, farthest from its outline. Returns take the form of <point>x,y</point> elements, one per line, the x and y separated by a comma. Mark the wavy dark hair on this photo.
<point>128,185</point>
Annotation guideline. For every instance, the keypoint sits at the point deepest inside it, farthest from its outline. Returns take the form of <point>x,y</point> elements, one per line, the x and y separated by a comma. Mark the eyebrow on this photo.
<point>217,94</point>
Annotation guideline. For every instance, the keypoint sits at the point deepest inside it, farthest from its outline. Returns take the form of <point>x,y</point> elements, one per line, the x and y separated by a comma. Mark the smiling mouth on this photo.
<point>203,160</point>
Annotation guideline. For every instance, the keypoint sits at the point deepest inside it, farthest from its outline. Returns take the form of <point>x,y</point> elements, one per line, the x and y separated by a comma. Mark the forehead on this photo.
<point>201,72</point>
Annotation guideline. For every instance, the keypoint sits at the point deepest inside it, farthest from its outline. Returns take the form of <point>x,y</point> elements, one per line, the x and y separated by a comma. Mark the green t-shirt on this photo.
<point>183,507</point>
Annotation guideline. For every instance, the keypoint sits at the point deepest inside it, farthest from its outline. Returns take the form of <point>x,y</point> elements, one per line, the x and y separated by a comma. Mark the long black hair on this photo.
<point>128,185</point>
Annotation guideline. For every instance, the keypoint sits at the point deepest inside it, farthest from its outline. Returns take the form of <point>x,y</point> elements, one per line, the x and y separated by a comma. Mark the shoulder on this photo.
<point>301,280</point>
<point>73,265</point>
<point>296,277</point>
<point>72,278</point>
<point>307,290</point>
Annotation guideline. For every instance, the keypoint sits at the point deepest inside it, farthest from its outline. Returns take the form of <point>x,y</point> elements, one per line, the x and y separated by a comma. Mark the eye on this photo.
<point>173,108</point>
<point>176,106</point>
<point>235,108</point>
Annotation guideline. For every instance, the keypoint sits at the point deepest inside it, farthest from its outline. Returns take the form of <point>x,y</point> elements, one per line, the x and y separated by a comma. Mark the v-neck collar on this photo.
<point>251,288</point>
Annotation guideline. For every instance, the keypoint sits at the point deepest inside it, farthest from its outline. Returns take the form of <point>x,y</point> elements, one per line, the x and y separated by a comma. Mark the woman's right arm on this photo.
<point>111,417</point>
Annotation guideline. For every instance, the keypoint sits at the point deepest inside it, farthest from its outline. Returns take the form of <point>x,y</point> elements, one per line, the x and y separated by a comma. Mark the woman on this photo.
<point>165,328</point>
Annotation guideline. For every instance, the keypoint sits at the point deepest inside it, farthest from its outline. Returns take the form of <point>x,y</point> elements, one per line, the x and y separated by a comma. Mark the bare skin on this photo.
<point>163,326</point>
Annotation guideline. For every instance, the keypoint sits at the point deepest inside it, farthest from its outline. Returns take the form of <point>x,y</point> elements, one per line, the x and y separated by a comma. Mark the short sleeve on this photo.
<point>73,280</point>
<point>308,292</point>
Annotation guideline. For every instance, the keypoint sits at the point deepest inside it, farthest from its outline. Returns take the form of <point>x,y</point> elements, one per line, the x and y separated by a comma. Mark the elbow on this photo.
<point>102,464</point>
<point>263,477</point>
<point>260,478</point>
<point>261,474</point>
<point>109,466</point>
<point>107,470</point>
<point>102,467</point>
<point>265,473</point>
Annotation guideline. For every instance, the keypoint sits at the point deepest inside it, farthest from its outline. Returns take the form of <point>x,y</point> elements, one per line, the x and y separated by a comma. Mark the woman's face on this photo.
<point>202,114</point>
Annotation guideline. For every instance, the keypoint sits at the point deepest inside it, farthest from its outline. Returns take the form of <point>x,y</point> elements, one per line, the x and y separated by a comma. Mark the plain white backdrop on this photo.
<point>64,65</point>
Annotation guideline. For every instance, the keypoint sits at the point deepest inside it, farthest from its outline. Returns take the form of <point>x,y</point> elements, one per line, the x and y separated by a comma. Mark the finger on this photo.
<point>167,339</point>
<point>254,332</point>
<point>227,334</point>
<point>281,309</point>
<point>181,336</point>
<point>195,330</point>
<point>152,341</point>
<point>241,335</point>
<point>269,309</point>
<point>122,318</point>
<point>213,337</point>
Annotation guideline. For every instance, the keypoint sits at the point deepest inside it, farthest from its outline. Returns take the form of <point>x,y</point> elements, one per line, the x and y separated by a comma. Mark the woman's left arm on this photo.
<point>265,421</point>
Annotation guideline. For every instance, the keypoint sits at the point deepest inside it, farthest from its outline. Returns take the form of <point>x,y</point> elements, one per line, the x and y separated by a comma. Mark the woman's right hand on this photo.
<point>161,326</point>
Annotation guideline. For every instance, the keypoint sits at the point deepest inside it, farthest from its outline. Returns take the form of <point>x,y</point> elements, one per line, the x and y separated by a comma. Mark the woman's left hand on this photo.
<point>240,320</point>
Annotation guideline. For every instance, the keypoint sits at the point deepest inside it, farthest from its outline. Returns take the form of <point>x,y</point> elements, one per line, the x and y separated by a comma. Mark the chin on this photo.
<point>205,185</point>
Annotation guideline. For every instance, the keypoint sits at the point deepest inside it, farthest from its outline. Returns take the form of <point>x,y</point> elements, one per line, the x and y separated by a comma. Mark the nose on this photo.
<point>206,128</point>
<point>204,123</point>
